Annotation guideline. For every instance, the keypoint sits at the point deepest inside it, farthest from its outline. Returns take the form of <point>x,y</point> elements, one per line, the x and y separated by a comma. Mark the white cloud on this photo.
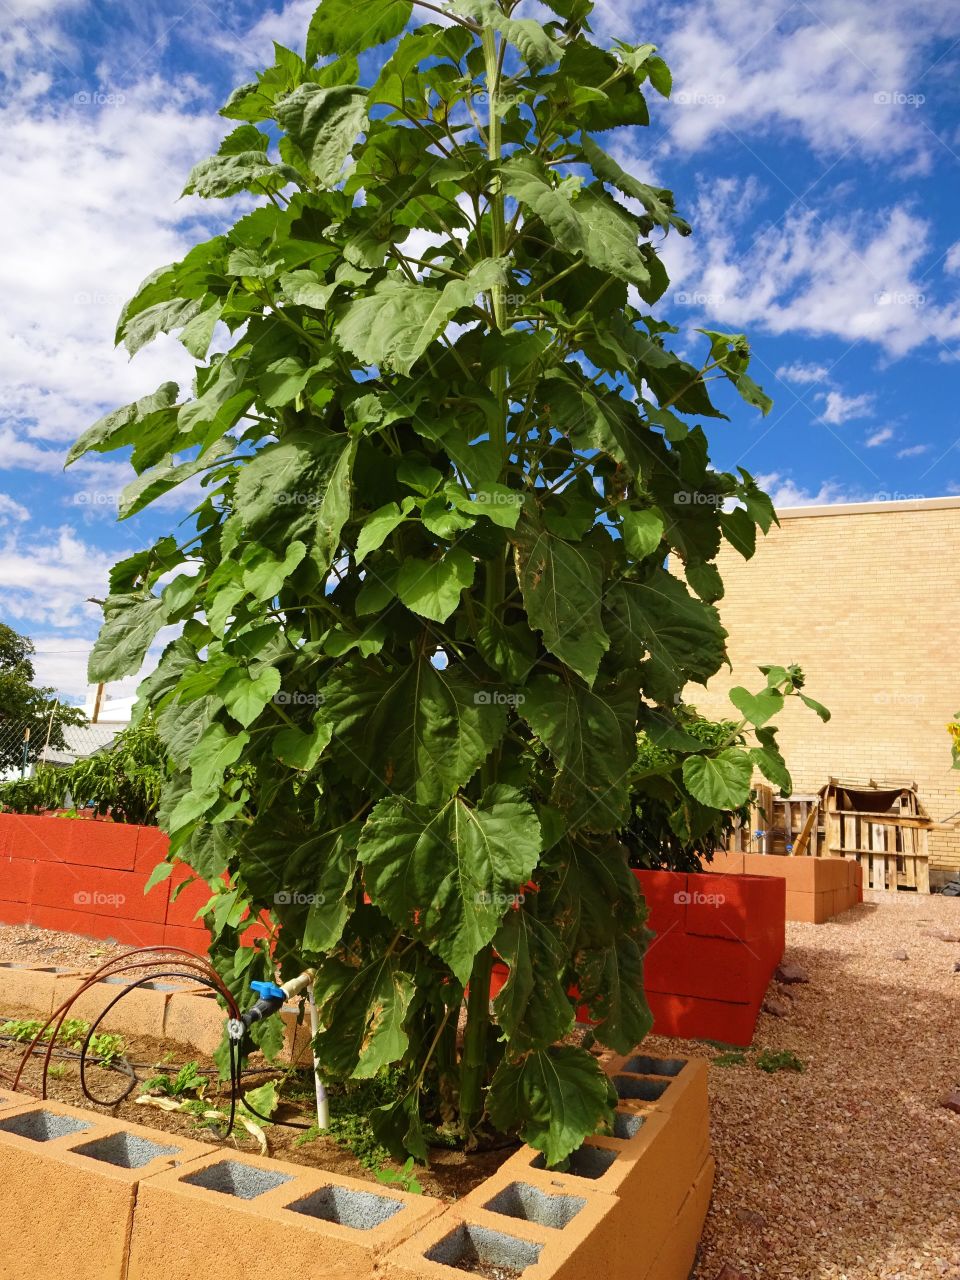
<point>883,436</point>
<point>47,578</point>
<point>843,75</point>
<point>913,451</point>
<point>859,277</point>
<point>840,408</point>
<point>951,263</point>
<point>10,510</point>
<point>803,373</point>
<point>91,202</point>
<point>784,492</point>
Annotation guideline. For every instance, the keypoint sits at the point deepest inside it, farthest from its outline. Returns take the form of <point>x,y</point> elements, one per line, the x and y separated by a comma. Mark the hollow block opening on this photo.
<point>232,1178</point>
<point>643,1065</point>
<point>645,1090</point>
<point>41,1126</point>
<point>585,1162</point>
<point>125,1150</point>
<point>362,1210</point>
<point>470,1246</point>
<point>520,1200</point>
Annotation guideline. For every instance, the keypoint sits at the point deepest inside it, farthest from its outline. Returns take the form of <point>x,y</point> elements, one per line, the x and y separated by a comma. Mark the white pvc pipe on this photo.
<point>323,1106</point>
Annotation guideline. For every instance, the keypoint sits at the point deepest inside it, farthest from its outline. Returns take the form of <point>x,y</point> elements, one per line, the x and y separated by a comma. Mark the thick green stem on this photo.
<point>473,1064</point>
<point>474,1061</point>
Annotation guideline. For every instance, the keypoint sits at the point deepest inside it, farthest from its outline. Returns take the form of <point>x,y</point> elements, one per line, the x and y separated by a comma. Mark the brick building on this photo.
<point>866,598</point>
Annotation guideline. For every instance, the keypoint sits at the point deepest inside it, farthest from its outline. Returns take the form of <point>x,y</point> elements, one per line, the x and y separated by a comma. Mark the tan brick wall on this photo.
<point>866,598</point>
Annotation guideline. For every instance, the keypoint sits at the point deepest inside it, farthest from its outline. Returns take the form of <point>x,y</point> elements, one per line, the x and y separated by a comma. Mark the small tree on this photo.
<point>24,705</point>
<point>446,457</point>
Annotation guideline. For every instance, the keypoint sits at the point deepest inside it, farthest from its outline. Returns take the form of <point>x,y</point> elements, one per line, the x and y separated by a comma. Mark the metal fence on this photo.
<point>24,745</point>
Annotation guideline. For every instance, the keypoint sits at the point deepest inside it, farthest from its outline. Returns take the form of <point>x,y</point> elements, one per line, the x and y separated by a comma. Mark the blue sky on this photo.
<point>815,147</point>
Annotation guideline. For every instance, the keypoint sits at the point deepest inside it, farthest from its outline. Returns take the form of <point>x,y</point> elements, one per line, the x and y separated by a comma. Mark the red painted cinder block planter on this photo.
<point>718,940</point>
<point>86,877</point>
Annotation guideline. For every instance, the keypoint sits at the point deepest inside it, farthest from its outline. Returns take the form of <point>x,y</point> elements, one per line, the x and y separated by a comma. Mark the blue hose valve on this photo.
<point>271,999</point>
<point>268,991</point>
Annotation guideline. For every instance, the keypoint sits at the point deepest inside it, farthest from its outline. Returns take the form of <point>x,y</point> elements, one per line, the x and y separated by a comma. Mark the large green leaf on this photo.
<point>419,730</point>
<point>432,588</point>
<point>324,123</point>
<point>226,175</point>
<point>362,1013</point>
<point>657,202</point>
<point>450,874</point>
<point>395,324</point>
<point>670,635</point>
<point>533,1007</point>
<point>593,420</point>
<point>306,880</point>
<point>562,586</point>
<point>591,734</point>
<point>721,781</point>
<point>555,1097</point>
<point>584,222</point>
<point>589,892</point>
<point>302,486</point>
<point>350,26</point>
<point>536,46</point>
<point>130,626</point>
<point>120,426</point>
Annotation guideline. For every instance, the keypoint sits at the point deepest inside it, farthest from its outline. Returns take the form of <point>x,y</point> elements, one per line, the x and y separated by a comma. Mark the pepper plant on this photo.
<point>446,450</point>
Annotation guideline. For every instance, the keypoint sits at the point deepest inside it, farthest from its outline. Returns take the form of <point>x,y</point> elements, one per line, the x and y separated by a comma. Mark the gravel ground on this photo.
<point>848,1171</point>
<point>23,944</point>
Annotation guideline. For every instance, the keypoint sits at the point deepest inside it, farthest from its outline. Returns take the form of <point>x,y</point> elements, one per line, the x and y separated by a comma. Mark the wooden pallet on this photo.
<point>892,845</point>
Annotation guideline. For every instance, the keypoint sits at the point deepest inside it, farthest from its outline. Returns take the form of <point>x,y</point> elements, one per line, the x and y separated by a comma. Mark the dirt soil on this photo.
<point>451,1173</point>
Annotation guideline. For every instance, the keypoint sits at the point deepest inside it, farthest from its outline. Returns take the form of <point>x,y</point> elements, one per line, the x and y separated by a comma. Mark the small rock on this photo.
<point>751,1217</point>
<point>790,973</point>
<point>728,1273</point>
<point>952,1101</point>
<point>942,935</point>
<point>778,1008</point>
<point>900,955</point>
<point>956,967</point>
<point>25,942</point>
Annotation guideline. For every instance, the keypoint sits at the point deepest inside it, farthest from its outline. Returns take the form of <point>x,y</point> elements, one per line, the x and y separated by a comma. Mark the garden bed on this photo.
<point>628,1205</point>
<point>817,889</point>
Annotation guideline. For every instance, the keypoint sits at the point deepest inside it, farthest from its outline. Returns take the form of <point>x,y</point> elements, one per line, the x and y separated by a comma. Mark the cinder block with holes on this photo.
<point>70,1180</point>
<point>552,1201</point>
<point>649,1171</point>
<point>32,987</point>
<point>575,1246</point>
<point>141,1011</point>
<point>269,1219</point>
